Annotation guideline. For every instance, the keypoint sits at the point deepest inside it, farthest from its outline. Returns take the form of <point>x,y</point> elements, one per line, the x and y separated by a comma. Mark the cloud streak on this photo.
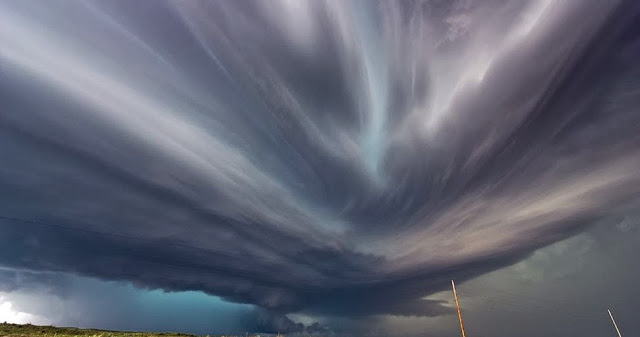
<point>330,158</point>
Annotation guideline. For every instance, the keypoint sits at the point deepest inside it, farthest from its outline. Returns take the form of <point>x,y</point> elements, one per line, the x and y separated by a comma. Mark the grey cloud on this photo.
<point>14,279</point>
<point>329,158</point>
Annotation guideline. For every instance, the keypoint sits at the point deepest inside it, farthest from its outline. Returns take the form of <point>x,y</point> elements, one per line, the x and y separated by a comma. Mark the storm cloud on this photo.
<point>341,158</point>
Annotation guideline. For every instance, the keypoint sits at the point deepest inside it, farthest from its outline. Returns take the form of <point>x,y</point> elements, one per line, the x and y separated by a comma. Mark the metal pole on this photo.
<point>614,323</point>
<point>455,294</point>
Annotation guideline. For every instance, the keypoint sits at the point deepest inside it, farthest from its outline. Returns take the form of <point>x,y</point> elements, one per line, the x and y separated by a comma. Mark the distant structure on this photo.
<point>614,323</point>
<point>455,295</point>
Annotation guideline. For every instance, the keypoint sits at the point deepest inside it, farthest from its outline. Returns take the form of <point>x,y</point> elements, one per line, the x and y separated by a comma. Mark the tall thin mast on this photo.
<point>455,294</point>
<point>614,323</point>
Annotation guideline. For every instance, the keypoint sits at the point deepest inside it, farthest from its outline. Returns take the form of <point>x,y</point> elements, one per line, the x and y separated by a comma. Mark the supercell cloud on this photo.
<point>338,158</point>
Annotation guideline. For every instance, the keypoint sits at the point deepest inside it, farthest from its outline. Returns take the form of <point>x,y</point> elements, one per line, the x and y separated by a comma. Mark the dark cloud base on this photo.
<point>334,159</point>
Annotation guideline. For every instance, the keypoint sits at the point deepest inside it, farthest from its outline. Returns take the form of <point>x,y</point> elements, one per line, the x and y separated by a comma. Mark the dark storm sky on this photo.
<point>335,161</point>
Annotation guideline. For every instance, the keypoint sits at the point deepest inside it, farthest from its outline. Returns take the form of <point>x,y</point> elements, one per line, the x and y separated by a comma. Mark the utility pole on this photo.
<point>614,323</point>
<point>455,295</point>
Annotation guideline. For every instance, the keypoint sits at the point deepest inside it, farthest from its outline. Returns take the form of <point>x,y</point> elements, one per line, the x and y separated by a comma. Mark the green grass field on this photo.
<point>25,330</point>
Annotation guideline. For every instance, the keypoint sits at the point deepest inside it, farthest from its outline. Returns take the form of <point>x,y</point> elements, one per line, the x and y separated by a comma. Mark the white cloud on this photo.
<point>10,315</point>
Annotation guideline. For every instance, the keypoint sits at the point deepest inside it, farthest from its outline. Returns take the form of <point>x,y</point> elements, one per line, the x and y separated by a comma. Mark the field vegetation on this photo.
<point>28,330</point>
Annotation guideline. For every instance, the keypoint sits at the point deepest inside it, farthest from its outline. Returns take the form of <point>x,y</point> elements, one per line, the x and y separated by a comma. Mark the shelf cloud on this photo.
<point>337,158</point>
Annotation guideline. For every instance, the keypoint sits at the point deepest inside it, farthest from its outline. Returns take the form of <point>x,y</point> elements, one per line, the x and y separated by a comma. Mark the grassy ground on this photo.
<point>28,330</point>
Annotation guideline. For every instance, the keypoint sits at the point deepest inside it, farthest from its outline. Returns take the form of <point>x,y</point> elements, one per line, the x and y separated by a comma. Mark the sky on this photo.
<point>321,167</point>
